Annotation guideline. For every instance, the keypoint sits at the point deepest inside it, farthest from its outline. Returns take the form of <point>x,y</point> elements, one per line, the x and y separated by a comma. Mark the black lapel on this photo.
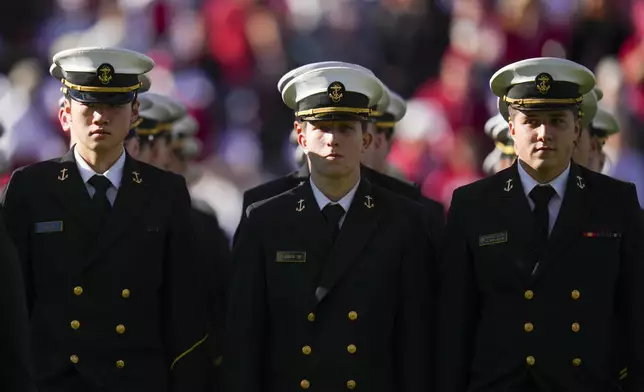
<point>310,232</point>
<point>573,214</point>
<point>359,225</point>
<point>71,191</point>
<point>127,206</point>
<point>516,213</point>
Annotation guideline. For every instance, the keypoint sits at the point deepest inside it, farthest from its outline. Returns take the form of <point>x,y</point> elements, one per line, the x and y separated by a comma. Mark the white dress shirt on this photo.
<point>558,184</point>
<point>114,174</point>
<point>345,202</point>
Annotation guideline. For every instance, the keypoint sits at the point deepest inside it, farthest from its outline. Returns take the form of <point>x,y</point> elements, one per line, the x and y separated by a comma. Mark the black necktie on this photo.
<point>333,213</point>
<point>101,204</point>
<point>541,196</point>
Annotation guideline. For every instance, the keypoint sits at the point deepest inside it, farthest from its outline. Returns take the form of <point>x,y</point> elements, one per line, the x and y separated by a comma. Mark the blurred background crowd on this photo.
<point>223,59</point>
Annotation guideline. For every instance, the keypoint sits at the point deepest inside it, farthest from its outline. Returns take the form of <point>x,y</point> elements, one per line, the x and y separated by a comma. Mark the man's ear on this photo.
<point>299,128</point>
<point>367,139</point>
<point>135,111</point>
<point>65,116</point>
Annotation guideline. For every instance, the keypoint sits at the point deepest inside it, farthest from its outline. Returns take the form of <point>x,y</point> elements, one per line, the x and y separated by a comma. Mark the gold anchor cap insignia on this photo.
<point>300,206</point>
<point>105,73</point>
<point>508,186</point>
<point>368,202</point>
<point>543,82</point>
<point>580,182</point>
<point>136,177</point>
<point>336,91</point>
<point>63,175</point>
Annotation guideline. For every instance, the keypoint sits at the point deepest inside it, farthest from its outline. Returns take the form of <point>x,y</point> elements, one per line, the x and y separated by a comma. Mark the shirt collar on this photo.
<point>345,202</point>
<point>114,173</point>
<point>558,184</point>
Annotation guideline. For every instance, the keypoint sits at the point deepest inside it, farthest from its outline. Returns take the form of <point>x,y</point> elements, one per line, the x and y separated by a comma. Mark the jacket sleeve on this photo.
<point>246,320</point>
<point>185,301</point>
<point>631,299</point>
<point>16,373</point>
<point>414,319</point>
<point>457,304</point>
<point>16,218</point>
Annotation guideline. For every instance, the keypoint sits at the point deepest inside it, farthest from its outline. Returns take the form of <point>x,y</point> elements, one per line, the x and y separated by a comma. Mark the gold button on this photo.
<point>575,294</point>
<point>74,358</point>
<point>530,360</point>
<point>311,317</point>
<point>120,364</point>
<point>575,327</point>
<point>305,384</point>
<point>529,294</point>
<point>352,349</point>
<point>353,316</point>
<point>78,291</point>
<point>351,384</point>
<point>306,350</point>
<point>528,327</point>
<point>125,293</point>
<point>576,362</point>
<point>75,324</point>
<point>120,329</point>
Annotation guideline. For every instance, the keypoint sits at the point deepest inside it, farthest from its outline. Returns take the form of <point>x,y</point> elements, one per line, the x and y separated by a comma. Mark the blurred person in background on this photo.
<point>112,302</point>
<point>388,112</point>
<point>153,129</point>
<point>521,323</point>
<point>503,155</point>
<point>604,127</point>
<point>211,241</point>
<point>588,148</point>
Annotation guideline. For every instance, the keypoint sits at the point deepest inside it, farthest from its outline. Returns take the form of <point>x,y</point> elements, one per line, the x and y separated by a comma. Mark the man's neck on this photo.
<point>335,188</point>
<point>542,176</point>
<point>100,162</point>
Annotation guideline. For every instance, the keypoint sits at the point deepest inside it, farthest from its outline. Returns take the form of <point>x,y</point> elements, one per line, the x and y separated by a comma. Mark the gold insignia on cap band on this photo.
<point>507,150</point>
<point>93,89</point>
<point>540,101</point>
<point>376,114</point>
<point>313,112</point>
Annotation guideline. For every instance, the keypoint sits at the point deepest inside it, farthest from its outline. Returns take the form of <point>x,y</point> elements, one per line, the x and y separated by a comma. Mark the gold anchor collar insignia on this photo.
<point>368,202</point>
<point>300,206</point>
<point>63,174</point>
<point>542,82</point>
<point>136,177</point>
<point>105,73</point>
<point>508,185</point>
<point>580,182</point>
<point>336,91</point>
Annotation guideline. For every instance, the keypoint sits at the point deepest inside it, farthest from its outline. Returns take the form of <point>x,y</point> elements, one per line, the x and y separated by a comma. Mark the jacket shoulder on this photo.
<point>483,186</point>
<point>271,202</point>
<point>393,184</point>
<point>269,189</point>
